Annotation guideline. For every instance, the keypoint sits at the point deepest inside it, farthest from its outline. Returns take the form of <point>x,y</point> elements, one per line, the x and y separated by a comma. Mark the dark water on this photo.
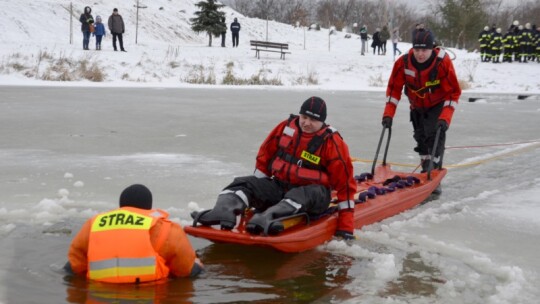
<point>232,274</point>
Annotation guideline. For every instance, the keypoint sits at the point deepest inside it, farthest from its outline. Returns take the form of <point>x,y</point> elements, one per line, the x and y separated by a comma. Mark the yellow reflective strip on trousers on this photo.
<point>288,223</point>
<point>121,219</point>
<point>121,272</point>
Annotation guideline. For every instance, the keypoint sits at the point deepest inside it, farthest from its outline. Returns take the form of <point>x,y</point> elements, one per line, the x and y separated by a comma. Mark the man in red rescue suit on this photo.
<point>433,90</point>
<point>298,165</point>
<point>132,244</point>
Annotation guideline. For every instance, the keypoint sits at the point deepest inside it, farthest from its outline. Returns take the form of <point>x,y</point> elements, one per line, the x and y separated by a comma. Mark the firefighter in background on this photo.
<point>496,45</point>
<point>530,41</point>
<point>522,39</point>
<point>514,28</point>
<point>538,44</point>
<point>483,39</point>
<point>508,45</point>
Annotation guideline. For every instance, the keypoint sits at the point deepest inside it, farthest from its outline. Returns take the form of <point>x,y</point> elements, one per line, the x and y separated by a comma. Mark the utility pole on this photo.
<point>330,31</point>
<point>137,21</point>
<point>71,23</point>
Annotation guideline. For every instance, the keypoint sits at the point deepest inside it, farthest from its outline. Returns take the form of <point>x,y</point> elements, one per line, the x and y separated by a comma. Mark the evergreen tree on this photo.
<point>209,19</point>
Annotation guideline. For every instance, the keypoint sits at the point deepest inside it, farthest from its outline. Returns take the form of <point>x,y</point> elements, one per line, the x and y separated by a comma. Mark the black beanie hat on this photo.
<point>315,108</point>
<point>137,196</point>
<point>423,40</point>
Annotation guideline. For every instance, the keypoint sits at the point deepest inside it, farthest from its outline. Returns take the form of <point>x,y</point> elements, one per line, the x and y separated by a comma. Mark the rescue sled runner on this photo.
<point>380,194</point>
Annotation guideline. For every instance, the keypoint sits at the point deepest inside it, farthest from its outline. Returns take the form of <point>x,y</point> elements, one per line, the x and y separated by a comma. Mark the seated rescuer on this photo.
<point>297,166</point>
<point>132,244</point>
<point>433,90</point>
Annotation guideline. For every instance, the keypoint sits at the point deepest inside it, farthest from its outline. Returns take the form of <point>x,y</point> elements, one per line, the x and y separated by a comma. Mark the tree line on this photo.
<point>456,23</point>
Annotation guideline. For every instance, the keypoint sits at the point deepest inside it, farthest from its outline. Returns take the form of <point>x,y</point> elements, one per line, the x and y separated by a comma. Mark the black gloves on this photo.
<point>387,122</point>
<point>442,124</point>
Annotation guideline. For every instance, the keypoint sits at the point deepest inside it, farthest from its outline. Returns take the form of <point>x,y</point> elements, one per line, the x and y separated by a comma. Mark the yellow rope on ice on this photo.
<point>532,145</point>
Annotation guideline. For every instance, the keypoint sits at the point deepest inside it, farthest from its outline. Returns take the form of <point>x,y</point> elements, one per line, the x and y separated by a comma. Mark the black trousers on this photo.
<point>235,37</point>
<point>263,193</point>
<point>119,35</point>
<point>424,123</point>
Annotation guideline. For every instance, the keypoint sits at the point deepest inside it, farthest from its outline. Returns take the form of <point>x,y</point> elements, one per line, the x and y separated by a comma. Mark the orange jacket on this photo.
<point>157,240</point>
<point>422,91</point>
<point>332,157</point>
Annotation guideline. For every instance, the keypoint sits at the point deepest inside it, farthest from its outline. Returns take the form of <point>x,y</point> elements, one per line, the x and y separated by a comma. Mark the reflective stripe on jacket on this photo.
<point>120,250</point>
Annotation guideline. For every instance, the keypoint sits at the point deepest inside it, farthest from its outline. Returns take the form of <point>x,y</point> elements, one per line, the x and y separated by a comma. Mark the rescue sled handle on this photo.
<point>432,156</point>
<point>379,148</point>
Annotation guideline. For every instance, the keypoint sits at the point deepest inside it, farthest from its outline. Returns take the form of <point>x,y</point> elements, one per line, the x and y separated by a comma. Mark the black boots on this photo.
<point>260,221</point>
<point>425,165</point>
<point>438,190</point>
<point>224,213</point>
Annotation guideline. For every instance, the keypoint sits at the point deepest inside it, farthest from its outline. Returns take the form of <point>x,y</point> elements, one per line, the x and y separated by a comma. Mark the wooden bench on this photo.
<point>265,46</point>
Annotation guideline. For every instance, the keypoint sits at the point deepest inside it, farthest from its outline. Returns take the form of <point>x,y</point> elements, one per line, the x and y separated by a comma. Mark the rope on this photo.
<point>533,144</point>
<point>495,145</point>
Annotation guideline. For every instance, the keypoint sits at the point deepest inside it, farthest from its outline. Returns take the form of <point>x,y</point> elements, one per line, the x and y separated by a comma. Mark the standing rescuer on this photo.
<point>132,244</point>
<point>433,90</point>
<point>298,165</point>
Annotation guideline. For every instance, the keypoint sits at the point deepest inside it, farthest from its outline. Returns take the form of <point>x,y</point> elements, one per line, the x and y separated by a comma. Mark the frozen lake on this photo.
<point>67,153</point>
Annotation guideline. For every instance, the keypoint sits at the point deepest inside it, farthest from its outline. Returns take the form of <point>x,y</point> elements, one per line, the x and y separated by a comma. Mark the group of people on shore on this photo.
<point>519,43</point>
<point>379,40</point>
<point>96,28</point>
<point>235,32</point>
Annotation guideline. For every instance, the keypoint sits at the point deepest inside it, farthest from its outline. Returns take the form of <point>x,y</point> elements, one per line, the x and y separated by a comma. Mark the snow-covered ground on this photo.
<point>35,38</point>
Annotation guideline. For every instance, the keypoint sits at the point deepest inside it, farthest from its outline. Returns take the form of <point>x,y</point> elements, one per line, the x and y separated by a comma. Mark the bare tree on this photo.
<point>295,11</point>
<point>244,7</point>
<point>454,22</point>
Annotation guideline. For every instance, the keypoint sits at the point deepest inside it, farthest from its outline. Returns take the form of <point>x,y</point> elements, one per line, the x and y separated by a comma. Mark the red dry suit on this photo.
<point>425,89</point>
<point>299,159</point>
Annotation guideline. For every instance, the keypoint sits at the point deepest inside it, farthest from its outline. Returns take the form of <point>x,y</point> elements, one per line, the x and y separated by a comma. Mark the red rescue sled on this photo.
<point>307,234</point>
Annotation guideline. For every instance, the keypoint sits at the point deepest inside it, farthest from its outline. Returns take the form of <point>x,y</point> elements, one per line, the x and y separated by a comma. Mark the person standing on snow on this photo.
<point>87,26</point>
<point>433,90</point>
<point>298,165</point>
<point>235,30</point>
<point>223,32</point>
<point>508,45</point>
<point>376,43</point>
<point>484,39</point>
<point>364,39</point>
<point>132,244</point>
<point>496,45</point>
<point>385,35</point>
<point>117,28</point>
<point>395,40</point>
<point>99,32</point>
